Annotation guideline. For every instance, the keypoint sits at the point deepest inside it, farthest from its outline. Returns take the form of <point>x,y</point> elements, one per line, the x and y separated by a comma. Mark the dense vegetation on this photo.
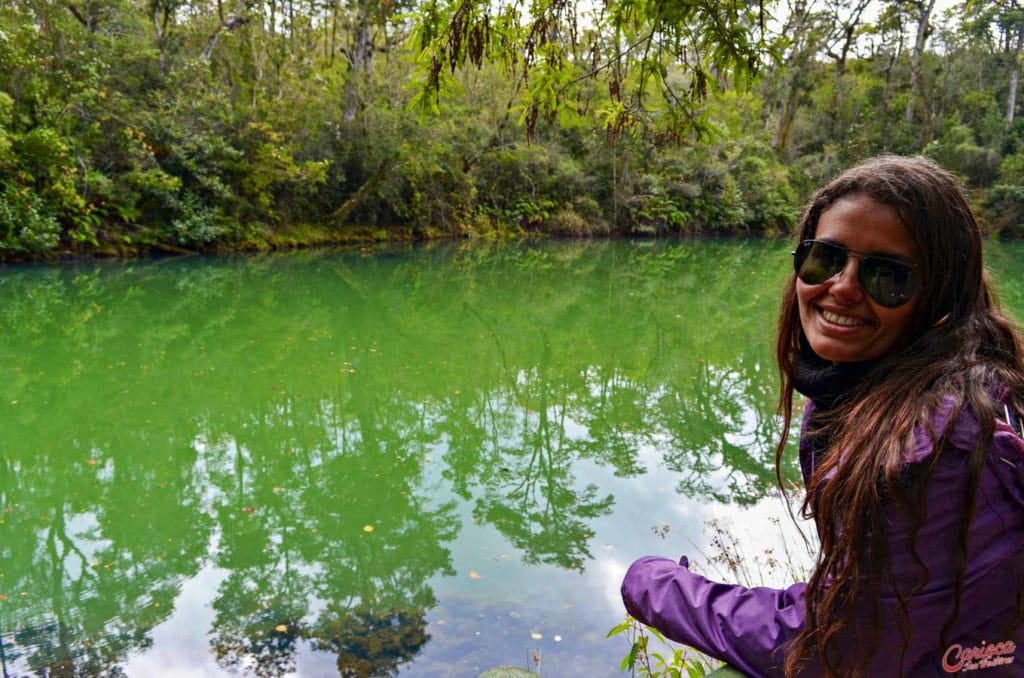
<point>182,125</point>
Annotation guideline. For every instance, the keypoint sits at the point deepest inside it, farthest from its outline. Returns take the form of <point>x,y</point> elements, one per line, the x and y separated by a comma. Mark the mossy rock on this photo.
<point>507,672</point>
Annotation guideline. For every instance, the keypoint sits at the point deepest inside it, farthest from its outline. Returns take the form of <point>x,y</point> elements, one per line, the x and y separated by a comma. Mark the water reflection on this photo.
<point>321,428</point>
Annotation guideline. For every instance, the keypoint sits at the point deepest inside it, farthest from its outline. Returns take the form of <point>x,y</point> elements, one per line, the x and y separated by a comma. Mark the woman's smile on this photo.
<point>842,320</point>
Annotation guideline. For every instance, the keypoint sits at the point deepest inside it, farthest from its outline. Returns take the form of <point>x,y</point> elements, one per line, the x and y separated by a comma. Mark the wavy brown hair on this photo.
<point>958,345</point>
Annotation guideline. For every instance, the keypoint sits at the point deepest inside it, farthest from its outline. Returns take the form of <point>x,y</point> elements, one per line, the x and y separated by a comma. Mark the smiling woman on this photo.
<point>911,451</point>
<point>840,317</point>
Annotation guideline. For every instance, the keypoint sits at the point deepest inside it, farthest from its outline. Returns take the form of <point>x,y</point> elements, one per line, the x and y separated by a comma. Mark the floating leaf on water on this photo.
<point>367,528</point>
<point>277,489</point>
<point>92,462</point>
<point>281,628</point>
<point>473,574</point>
<point>535,635</point>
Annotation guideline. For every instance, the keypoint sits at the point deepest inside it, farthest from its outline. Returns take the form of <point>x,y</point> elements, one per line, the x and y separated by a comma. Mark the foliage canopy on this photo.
<point>185,125</point>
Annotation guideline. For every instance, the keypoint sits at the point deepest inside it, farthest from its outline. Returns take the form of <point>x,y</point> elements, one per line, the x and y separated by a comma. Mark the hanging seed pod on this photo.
<point>434,77</point>
<point>531,120</point>
<point>477,43</point>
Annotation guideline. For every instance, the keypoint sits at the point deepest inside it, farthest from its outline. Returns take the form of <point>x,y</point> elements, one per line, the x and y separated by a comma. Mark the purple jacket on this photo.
<point>750,627</point>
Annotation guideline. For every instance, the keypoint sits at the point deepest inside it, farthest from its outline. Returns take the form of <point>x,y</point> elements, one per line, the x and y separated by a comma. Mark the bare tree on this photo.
<point>844,16</point>
<point>923,11</point>
<point>1015,22</point>
<point>802,27</point>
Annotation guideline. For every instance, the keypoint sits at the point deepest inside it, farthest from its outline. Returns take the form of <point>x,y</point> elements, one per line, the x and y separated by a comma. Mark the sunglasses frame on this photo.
<point>912,282</point>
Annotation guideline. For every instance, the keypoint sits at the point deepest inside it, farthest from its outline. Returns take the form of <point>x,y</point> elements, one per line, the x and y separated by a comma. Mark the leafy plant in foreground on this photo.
<point>667,660</point>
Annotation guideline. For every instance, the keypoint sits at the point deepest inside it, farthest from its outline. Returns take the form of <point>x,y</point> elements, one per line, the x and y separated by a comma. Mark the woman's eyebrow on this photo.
<point>906,258</point>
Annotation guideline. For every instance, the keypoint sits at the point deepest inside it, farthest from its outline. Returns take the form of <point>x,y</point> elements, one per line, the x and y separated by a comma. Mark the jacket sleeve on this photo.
<point>746,627</point>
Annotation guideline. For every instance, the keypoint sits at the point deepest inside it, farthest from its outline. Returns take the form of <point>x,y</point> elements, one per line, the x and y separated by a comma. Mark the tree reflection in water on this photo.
<point>316,426</point>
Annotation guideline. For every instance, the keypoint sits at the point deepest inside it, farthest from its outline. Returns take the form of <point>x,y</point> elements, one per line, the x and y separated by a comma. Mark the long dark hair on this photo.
<point>958,346</point>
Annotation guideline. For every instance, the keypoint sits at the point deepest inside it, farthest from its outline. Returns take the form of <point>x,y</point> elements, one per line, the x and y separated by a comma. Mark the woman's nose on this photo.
<point>846,286</point>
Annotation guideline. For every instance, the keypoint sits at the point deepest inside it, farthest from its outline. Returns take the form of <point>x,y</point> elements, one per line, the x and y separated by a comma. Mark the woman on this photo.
<point>910,450</point>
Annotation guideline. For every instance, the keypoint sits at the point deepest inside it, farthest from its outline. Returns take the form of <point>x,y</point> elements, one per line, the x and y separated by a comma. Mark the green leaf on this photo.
<point>620,627</point>
<point>656,633</point>
<point>629,661</point>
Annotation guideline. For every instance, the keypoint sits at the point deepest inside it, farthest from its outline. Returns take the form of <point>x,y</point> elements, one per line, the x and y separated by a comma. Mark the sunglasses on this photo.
<point>889,281</point>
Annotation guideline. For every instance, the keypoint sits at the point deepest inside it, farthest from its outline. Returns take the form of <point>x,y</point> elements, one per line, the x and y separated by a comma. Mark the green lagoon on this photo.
<point>422,461</point>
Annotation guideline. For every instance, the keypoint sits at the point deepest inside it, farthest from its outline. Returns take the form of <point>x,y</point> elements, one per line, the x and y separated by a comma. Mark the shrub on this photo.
<point>25,224</point>
<point>199,223</point>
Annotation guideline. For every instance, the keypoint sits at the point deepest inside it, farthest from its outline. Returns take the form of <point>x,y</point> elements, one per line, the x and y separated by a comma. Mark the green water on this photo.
<point>427,461</point>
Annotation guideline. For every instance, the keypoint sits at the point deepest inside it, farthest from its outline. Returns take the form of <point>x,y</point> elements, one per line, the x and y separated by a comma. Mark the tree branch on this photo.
<point>231,23</point>
<point>78,15</point>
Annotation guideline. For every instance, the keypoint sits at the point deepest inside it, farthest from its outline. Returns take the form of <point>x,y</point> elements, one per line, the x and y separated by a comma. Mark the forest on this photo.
<point>173,126</point>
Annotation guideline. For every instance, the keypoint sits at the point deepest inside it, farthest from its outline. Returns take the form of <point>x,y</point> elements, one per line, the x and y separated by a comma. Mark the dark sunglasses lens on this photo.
<point>816,262</point>
<point>888,282</point>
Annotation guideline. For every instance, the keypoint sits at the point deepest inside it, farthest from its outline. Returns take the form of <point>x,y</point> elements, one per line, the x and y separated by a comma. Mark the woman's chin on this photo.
<point>840,351</point>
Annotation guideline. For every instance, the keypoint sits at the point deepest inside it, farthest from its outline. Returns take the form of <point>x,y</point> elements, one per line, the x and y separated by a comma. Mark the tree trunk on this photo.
<point>885,99</point>
<point>87,23</point>
<point>846,31</point>
<point>925,11</point>
<point>340,216</point>
<point>235,21</point>
<point>259,51</point>
<point>799,27</point>
<point>1011,97</point>
<point>360,59</point>
<point>334,32</point>
<point>787,111</point>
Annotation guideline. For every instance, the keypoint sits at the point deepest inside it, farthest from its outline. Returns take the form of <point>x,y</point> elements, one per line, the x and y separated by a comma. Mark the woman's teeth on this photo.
<point>844,320</point>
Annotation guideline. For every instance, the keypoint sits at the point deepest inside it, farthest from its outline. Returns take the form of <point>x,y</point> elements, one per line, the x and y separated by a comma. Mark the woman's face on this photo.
<point>841,322</point>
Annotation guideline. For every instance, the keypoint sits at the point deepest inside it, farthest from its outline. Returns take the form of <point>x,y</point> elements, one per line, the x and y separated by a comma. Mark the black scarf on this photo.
<point>826,383</point>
